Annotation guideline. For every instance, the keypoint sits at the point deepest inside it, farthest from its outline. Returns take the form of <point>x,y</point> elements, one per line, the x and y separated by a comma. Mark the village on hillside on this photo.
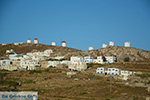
<point>74,65</point>
<point>30,61</point>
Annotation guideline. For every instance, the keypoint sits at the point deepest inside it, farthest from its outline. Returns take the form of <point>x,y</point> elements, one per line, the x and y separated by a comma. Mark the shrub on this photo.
<point>11,83</point>
<point>46,70</point>
<point>2,75</point>
<point>35,71</point>
<point>126,59</point>
<point>29,81</point>
<point>37,66</point>
<point>3,70</point>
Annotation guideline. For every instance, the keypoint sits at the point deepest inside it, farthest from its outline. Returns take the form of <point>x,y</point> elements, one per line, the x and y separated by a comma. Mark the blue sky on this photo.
<point>81,23</point>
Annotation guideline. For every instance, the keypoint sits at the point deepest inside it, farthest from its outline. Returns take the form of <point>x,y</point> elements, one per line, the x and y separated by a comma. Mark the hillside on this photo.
<point>120,52</point>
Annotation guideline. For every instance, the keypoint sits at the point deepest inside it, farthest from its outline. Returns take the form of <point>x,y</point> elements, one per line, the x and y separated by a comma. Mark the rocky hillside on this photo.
<point>25,48</point>
<point>120,52</point>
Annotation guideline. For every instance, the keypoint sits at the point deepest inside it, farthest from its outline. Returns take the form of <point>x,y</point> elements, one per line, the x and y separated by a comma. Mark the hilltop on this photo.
<point>120,52</point>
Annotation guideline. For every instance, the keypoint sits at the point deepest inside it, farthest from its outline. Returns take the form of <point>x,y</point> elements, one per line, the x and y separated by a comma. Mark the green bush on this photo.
<point>11,83</point>
<point>35,71</point>
<point>37,66</point>
<point>2,75</point>
<point>46,70</point>
<point>3,70</point>
<point>55,59</point>
<point>126,59</point>
<point>29,81</point>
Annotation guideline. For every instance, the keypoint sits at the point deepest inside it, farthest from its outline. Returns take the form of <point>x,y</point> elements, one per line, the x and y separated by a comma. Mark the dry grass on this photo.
<point>62,88</point>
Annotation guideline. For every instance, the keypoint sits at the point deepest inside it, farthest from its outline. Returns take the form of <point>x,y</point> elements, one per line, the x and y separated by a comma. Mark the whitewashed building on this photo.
<point>45,53</point>
<point>100,60</point>
<point>5,62</point>
<point>29,64</point>
<point>111,43</point>
<point>15,56</point>
<point>36,41</point>
<point>59,57</point>
<point>127,44</point>
<point>16,43</point>
<point>77,59</point>
<point>64,44</point>
<point>111,59</point>
<point>91,48</point>
<point>29,54</point>
<point>65,62</point>
<point>125,74</point>
<point>3,44</point>
<point>11,51</point>
<point>53,63</point>
<point>29,41</point>
<point>113,71</point>
<point>54,43</point>
<point>104,45</point>
<point>78,66</point>
<point>100,70</point>
<point>88,59</point>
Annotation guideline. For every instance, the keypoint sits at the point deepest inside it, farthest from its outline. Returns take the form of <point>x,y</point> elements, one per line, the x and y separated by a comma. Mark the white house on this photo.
<point>3,44</point>
<point>5,62</point>
<point>10,51</point>
<point>113,71</point>
<point>28,64</point>
<point>53,63</point>
<point>16,43</point>
<point>59,57</point>
<point>77,66</point>
<point>54,43</point>
<point>15,57</point>
<point>101,70</point>
<point>45,53</point>
<point>111,59</point>
<point>127,44</point>
<point>111,43</point>
<point>104,45</point>
<point>91,48</point>
<point>100,60</point>
<point>29,54</point>
<point>77,59</point>
<point>88,59</point>
<point>65,62</point>
<point>126,74</point>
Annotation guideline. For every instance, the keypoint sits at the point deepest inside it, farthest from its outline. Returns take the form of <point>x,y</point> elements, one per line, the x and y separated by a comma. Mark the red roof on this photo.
<point>29,39</point>
<point>63,41</point>
<point>35,39</point>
